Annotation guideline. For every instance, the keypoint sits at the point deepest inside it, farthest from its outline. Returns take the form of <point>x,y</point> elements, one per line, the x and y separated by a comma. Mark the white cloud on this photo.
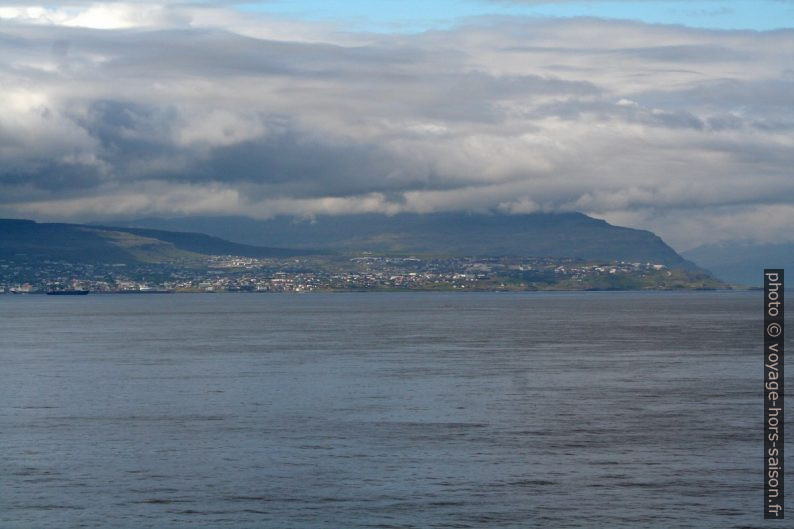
<point>94,16</point>
<point>218,127</point>
<point>185,109</point>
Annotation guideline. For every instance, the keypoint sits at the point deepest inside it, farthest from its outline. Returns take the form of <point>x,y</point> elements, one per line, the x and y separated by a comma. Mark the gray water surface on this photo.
<point>387,410</point>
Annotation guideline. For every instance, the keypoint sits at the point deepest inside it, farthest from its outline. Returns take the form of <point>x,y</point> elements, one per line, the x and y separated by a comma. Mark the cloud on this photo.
<point>174,109</point>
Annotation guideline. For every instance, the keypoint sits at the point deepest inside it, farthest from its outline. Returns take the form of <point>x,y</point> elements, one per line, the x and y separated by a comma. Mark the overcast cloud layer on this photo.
<point>133,110</point>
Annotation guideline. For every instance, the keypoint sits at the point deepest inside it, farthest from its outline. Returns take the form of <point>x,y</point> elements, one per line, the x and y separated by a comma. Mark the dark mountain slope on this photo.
<point>455,234</point>
<point>28,240</point>
<point>208,245</point>
<point>25,239</point>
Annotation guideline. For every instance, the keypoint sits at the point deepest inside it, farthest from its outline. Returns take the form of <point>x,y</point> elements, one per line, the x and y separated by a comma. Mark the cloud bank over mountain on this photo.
<point>121,110</point>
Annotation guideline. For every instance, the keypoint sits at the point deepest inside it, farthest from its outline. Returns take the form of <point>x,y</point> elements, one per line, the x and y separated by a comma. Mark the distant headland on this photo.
<point>442,251</point>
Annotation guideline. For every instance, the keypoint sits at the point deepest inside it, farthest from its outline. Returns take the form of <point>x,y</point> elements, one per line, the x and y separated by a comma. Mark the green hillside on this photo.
<point>32,241</point>
<point>442,234</point>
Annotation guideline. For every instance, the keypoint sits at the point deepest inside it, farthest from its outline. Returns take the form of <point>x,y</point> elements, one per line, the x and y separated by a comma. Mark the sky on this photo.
<point>421,15</point>
<point>673,116</point>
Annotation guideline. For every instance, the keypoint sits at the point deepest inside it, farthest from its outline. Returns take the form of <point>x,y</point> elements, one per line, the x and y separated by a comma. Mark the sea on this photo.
<point>382,410</point>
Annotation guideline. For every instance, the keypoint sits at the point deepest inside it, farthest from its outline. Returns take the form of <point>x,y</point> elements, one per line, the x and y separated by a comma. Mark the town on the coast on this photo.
<point>363,272</point>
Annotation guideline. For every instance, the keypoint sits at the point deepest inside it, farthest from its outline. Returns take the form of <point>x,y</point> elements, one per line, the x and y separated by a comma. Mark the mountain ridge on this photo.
<point>22,238</point>
<point>573,235</point>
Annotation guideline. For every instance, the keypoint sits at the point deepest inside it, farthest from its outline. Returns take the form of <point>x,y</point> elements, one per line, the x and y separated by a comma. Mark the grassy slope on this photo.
<point>31,241</point>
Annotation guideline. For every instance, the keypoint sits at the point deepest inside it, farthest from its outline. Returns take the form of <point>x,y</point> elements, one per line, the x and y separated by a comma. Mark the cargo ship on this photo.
<point>67,292</point>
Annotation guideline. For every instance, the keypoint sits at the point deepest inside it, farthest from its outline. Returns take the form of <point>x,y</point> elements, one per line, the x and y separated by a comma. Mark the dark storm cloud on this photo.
<point>181,109</point>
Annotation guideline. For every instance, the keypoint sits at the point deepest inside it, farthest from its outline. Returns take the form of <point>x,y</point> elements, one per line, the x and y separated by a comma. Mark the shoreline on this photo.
<point>394,290</point>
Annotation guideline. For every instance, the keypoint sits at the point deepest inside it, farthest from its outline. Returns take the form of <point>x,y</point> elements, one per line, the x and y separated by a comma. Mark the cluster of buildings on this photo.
<point>328,273</point>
